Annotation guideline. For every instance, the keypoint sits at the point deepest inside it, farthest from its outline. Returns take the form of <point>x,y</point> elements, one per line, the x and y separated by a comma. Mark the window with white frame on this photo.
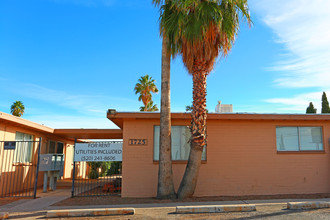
<point>299,138</point>
<point>180,143</point>
<point>24,148</point>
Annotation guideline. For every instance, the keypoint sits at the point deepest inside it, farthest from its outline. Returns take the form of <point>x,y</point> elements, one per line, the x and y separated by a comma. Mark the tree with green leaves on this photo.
<point>199,31</point>
<point>93,172</point>
<point>151,107</point>
<point>145,87</point>
<point>325,104</point>
<point>165,188</point>
<point>17,108</point>
<point>189,108</point>
<point>310,109</point>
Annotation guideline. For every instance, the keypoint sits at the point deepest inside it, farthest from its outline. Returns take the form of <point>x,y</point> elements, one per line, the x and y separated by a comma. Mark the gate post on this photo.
<point>37,170</point>
<point>74,168</point>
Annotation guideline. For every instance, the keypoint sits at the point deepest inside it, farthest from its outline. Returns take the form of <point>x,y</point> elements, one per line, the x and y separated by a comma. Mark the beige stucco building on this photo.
<point>19,165</point>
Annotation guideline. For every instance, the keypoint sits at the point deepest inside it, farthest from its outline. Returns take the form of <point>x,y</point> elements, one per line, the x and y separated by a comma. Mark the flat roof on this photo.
<point>90,133</point>
<point>118,117</point>
<point>20,122</point>
<point>70,134</point>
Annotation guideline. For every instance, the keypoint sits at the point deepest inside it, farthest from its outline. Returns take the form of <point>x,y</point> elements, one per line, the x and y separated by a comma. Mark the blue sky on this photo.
<point>69,61</point>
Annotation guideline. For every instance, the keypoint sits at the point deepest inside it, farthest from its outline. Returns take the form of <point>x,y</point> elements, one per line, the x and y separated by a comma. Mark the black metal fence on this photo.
<point>19,162</point>
<point>98,178</point>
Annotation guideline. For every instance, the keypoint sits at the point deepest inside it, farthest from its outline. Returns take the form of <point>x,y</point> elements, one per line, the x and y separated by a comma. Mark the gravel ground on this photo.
<point>263,212</point>
<point>273,211</point>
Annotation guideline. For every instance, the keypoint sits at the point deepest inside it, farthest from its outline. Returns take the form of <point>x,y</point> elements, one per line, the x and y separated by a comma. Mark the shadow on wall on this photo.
<point>17,178</point>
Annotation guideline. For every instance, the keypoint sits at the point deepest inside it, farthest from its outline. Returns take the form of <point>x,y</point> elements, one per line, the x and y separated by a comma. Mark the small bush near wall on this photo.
<point>107,168</point>
<point>93,172</point>
<point>115,168</point>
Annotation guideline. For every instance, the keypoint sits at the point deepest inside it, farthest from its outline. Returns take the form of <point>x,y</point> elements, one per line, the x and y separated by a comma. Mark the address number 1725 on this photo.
<point>137,141</point>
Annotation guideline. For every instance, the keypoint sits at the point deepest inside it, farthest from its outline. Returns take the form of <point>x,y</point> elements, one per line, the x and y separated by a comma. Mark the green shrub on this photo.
<point>115,168</point>
<point>107,169</point>
<point>93,174</point>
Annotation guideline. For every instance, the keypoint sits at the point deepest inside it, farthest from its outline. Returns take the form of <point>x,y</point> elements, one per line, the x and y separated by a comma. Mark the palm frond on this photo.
<point>201,30</point>
<point>157,2</point>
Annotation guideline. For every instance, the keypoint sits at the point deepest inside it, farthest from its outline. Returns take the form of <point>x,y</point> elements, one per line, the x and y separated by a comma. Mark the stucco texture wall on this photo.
<point>22,175</point>
<point>242,159</point>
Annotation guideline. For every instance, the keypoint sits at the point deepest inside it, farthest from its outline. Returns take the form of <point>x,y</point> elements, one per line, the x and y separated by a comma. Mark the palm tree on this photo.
<point>17,109</point>
<point>145,87</point>
<point>165,188</point>
<point>151,107</point>
<point>200,30</point>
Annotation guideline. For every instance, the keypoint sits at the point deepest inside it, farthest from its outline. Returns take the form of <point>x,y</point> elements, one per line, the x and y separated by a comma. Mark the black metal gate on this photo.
<point>97,178</point>
<point>19,163</point>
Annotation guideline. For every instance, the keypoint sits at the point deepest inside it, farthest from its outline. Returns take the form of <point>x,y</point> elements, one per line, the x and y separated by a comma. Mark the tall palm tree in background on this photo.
<point>145,87</point>
<point>165,188</point>
<point>151,107</point>
<point>200,30</point>
<point>17,109</point>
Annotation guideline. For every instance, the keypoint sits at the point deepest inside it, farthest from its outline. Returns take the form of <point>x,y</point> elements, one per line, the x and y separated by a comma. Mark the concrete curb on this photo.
<point>215,208</point>
<point>4,215</point>
<point>308,205</point>
<point>90,212</point>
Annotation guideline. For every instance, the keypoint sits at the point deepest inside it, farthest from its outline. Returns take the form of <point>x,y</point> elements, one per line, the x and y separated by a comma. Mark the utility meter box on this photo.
<point>52,165</point>
<point>45,162</point>
<point>52,162</point>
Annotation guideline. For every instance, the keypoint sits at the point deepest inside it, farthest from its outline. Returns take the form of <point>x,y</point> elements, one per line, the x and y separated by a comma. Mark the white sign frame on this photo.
<point>98,151</point>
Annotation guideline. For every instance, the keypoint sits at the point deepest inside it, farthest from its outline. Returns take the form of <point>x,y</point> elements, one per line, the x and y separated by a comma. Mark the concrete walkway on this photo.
<point>43,201</point>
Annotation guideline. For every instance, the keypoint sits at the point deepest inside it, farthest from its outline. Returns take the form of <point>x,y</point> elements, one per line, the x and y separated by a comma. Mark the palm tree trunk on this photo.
<point>165,187</point>
<point>198,130</point>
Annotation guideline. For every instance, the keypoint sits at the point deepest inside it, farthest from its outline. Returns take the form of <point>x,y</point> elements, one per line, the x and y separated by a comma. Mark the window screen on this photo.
<point>24,147</point>
<point>299,138</point>
<point>180,143</point>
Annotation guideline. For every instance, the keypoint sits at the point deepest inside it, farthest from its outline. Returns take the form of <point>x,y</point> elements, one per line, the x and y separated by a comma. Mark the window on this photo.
<point>299,138</point>
<point>55,147</point>
<point>51,147</point>
<point>180,143</point>
<point>59,149</point>
<point>24,148</point>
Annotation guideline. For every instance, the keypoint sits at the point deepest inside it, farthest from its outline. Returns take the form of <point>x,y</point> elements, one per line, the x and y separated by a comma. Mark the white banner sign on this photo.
<point>98,151</point>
